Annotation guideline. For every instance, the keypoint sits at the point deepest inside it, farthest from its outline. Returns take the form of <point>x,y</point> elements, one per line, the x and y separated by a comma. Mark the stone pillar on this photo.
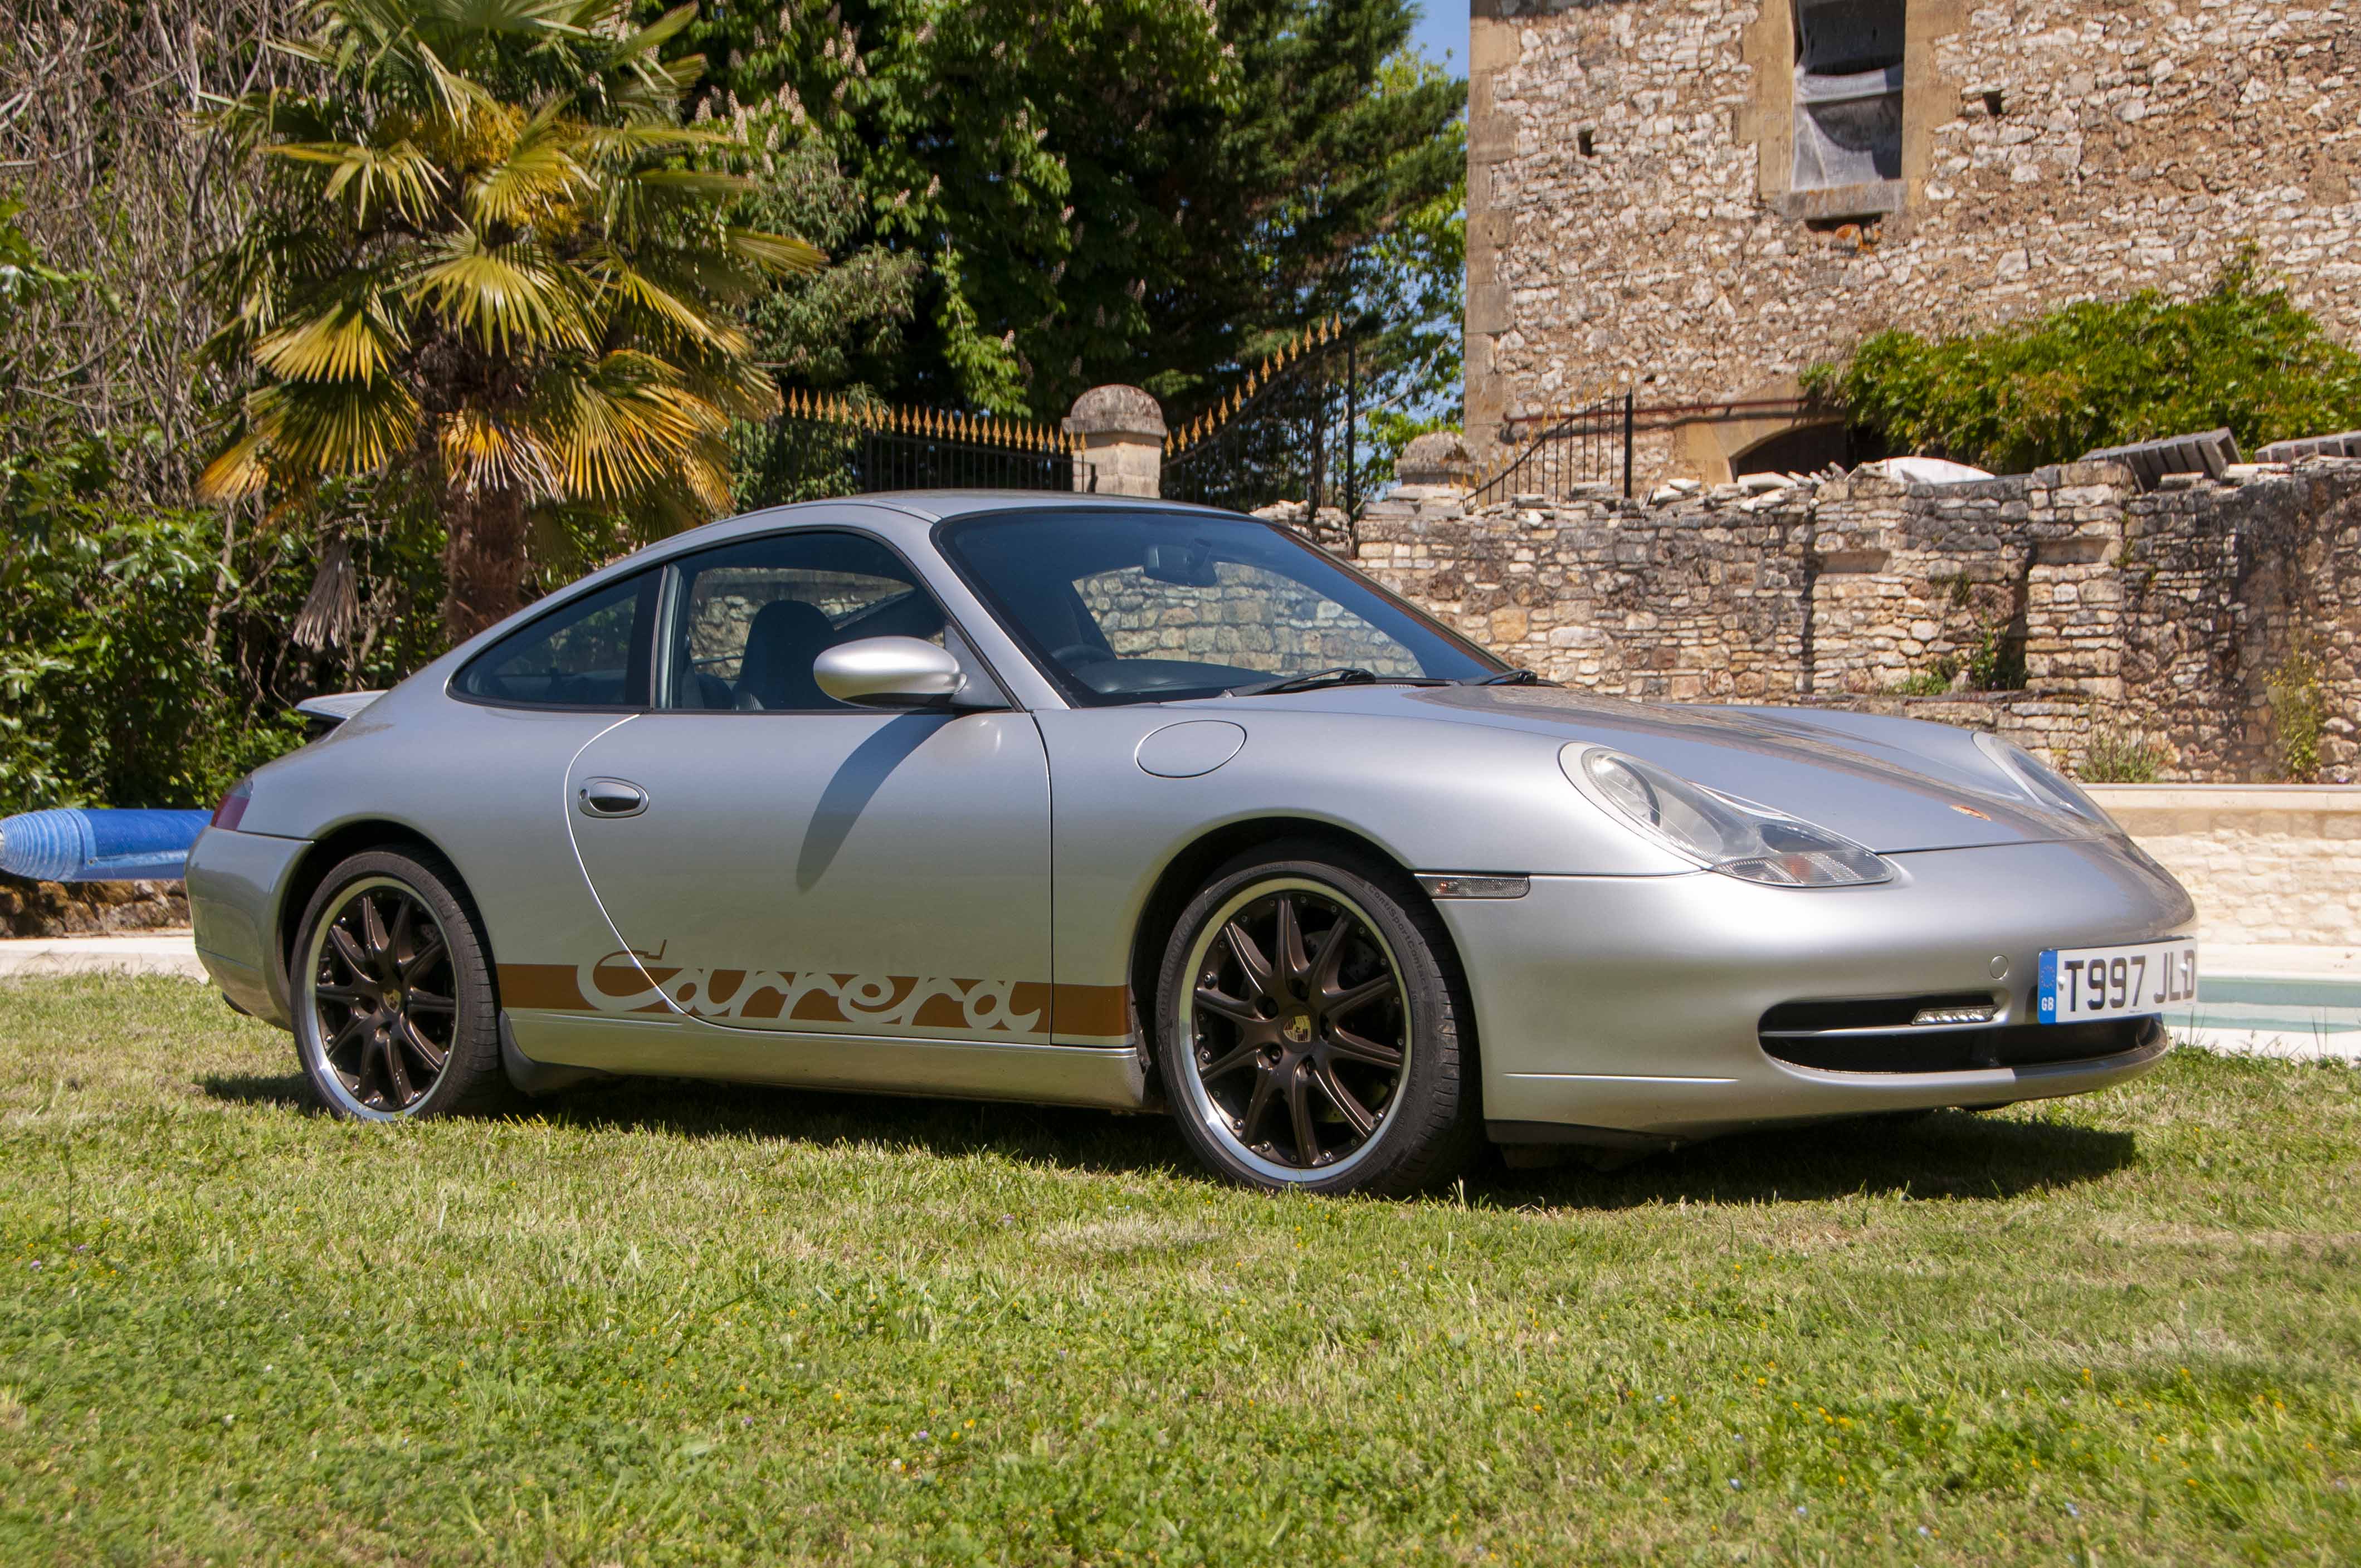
<point>1123,442</point>
<point>1437,461</point>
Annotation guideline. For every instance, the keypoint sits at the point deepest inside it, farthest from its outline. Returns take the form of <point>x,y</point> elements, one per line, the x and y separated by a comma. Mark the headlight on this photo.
<point>2043,783</point>
<point>1719,832</point>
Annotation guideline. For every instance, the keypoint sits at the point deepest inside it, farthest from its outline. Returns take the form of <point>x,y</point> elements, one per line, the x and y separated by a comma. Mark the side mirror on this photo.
<point>889,672</point>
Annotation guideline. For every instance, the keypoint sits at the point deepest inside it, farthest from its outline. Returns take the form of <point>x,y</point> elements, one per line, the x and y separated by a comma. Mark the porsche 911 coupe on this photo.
<point>1156,808</point>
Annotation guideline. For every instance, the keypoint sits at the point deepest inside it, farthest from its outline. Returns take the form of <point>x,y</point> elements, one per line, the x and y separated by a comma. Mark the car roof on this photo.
<point>921,509</point>
<point>904,518</point>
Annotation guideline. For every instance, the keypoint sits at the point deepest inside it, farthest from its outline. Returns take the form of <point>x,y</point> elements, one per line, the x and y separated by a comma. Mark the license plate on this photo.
<point>2080,985</point>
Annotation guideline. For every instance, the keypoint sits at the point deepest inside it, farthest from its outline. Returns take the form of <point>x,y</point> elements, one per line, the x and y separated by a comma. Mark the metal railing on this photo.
<point>833,446</point>
<point>1287,433</point>
<point>1577,448</point>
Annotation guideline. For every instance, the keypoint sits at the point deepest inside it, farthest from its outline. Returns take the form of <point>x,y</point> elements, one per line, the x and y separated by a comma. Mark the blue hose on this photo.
<point>78,845</point>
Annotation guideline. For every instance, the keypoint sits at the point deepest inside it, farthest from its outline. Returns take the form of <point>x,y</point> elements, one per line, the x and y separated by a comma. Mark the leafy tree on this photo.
<point>485,258</point>
<point>2104,373</point>
<point>1144,191</point>
<point>115,684</point>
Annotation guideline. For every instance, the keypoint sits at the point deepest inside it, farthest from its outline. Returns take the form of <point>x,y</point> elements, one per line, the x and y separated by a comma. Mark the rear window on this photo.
<point>591,653</point>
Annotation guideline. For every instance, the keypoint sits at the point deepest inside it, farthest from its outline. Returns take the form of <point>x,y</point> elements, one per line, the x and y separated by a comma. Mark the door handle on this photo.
<point>610,797</point>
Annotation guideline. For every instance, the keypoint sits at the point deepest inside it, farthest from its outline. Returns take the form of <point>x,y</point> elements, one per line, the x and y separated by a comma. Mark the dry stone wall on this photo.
<point>2065,608</point>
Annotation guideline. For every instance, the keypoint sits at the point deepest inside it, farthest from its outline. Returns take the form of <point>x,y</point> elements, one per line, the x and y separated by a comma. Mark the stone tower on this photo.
<point>1705,199</point>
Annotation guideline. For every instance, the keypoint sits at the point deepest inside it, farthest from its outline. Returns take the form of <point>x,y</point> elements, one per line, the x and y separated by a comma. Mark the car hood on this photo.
<point>1894,785</point>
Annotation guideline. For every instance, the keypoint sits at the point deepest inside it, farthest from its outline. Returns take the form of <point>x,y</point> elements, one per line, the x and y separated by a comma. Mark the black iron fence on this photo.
<point>1583,448</point>
<point>1288,435</point>
<point>824,447</point>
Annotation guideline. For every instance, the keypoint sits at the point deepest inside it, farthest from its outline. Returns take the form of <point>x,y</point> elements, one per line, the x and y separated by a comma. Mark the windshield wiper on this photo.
<point>1507,678</point>
<point>1341,676</point>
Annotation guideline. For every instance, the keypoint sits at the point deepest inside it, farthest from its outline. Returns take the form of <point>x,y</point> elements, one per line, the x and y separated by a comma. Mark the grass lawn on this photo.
<point>664,1322</point>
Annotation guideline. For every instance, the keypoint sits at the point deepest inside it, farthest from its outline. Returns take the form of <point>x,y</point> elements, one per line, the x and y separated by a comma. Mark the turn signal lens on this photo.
<point>1721,832</point>
<point>232,809</point>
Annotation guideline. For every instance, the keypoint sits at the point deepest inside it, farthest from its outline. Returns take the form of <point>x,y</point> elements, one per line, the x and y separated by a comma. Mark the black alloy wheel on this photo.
<point>394,1009</point>
<point>1300,1038</point>
<point>1311,1030</point>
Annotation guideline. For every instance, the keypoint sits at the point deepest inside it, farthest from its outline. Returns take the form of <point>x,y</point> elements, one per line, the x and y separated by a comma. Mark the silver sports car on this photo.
<point>1135,806</point>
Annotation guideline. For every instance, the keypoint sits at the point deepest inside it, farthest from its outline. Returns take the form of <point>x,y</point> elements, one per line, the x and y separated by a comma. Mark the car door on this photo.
<point>770,859</point>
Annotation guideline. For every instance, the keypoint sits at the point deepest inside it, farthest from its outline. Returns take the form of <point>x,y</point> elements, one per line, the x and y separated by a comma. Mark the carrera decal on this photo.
<point>623,982</point>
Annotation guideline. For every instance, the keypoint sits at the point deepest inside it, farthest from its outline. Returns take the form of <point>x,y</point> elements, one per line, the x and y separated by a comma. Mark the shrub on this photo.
<point>2114,757</point>
<point>2104,373</point>
<point>110,685</point>
<point>2298,713</point>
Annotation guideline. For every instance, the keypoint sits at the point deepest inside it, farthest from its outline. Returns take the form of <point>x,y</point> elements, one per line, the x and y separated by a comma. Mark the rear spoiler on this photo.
<point>337,706</point>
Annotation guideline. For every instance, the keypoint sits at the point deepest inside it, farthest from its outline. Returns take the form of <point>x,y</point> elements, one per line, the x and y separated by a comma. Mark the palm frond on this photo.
<point>238,471</point>
<point>507,297</point>
<point>306,430</point>
<point>488,452</point>
<point>644,43</point>
<point>711,185</point>
<point>403,173</point>
<point>540,169</point>
<point>645,141</point>
<point>625,426</point>
<point>652,89</point>
<point>775,252</point>
<point>352,340</point>
<point>457,96</point>
<point>635,288</point>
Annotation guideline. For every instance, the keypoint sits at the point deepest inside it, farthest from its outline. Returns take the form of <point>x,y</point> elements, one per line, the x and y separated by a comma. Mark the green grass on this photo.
<point>668,1323</point>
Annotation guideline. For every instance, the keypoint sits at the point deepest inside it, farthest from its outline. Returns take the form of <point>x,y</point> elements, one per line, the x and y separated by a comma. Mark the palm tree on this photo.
<point>484,256</point>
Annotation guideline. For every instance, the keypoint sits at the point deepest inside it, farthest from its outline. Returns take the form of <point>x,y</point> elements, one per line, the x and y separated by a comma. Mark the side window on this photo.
<point>748,620</point>
<point>589,653</point>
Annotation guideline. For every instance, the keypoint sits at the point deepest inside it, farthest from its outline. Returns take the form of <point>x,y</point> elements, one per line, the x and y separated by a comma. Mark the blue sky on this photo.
<point>1442,26</point>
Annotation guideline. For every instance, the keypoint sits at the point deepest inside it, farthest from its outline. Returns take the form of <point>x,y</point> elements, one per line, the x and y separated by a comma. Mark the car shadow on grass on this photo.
<point>286,1089</point>
<point>1047,1135</point>
<point>1950,1154</point>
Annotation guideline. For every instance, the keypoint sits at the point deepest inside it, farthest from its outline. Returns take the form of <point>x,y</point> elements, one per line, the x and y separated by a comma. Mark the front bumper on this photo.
<point>235,882</point>
<point>1633,1004</point>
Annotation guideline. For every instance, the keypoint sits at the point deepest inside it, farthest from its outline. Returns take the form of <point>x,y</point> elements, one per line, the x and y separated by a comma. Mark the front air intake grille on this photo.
<point>1877,1036</point>
<point>1875,1012</point>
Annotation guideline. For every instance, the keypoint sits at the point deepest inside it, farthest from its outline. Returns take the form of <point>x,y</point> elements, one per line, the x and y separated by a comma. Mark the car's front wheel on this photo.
<point>1310,1021</point>
<point>395,1013</point>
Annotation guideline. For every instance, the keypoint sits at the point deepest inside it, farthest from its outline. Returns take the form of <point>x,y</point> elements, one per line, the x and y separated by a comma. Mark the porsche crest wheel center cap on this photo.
<point>1298,1029</point>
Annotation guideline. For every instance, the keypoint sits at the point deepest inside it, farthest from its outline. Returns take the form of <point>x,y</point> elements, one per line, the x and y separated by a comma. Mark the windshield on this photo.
<point>1154,607</point>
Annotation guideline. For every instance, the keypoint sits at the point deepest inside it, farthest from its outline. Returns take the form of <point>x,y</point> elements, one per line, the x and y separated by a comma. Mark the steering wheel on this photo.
<point>1073,655</point>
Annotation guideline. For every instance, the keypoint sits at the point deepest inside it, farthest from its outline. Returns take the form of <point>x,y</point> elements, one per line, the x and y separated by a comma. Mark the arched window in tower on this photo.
<point>1847,93</point>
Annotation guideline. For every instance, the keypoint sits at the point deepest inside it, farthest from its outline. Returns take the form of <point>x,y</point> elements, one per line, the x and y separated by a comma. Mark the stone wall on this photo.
<point>2265,865</point>
<point>89,908</point>
<point>1629,218</point>
<point>2065,608</point>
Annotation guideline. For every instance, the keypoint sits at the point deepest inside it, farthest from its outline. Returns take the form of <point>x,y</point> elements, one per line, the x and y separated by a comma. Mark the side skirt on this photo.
<point>1107,1078</point>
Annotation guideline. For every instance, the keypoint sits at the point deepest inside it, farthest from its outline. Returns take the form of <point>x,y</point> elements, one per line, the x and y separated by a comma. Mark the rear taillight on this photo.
<point>232,809</point>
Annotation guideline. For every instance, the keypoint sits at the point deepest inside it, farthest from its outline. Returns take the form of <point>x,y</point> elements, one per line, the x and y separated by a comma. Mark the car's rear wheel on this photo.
<point>395,1013</point>
<point>1310,1019</point>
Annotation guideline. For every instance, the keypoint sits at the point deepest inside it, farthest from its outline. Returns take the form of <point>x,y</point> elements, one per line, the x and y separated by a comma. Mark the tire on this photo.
<point>394,1020</point>
<point>1270,1047</point>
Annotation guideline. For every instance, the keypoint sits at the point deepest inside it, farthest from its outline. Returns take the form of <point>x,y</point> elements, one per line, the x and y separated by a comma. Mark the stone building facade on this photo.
<point>2205,630</point>
<point>1703,200</point>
